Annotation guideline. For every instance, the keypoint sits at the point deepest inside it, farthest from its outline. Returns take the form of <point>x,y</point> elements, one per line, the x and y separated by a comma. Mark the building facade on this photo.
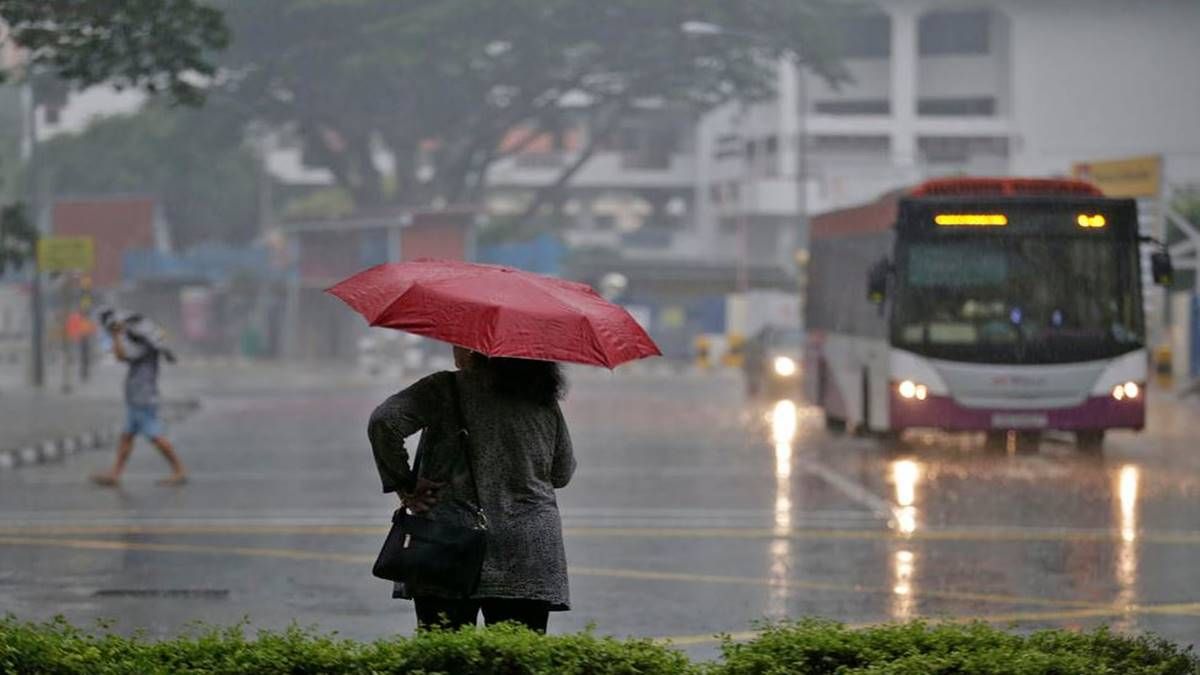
<point>1022,87</point>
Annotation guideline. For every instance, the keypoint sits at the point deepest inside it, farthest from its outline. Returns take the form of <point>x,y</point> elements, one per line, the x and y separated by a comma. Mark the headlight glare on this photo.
<point>912,391</point>
<point>785,366</point>
<point>1127,391</point>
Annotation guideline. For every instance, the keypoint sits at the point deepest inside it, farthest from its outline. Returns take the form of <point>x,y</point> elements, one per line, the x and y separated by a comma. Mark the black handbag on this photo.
<point>422,552</point>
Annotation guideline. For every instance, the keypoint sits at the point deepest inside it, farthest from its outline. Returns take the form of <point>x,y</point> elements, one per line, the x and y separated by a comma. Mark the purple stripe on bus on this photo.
<point>942,412</point>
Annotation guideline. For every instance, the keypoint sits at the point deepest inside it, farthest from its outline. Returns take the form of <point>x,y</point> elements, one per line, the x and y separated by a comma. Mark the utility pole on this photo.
<point>35,187</point>
<point>802,187</point>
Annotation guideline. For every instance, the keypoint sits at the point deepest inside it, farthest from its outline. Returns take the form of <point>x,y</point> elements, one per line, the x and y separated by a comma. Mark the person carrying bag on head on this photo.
<point>479,527</point>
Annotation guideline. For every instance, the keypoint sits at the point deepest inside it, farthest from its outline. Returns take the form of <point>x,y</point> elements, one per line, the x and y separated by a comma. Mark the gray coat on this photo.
<point>521,453</point>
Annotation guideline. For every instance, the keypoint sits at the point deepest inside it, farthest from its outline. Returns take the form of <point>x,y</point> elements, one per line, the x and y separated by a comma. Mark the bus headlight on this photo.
<point>785,366</point>
<point>1129,390</point>
<point>911,390</point>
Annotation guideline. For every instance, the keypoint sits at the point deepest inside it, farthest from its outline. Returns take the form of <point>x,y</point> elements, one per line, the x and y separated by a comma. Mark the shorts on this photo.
<point>143,420</point>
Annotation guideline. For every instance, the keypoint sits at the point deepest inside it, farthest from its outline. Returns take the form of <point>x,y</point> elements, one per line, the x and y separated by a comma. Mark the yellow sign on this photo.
<point>1127,177</point>
<point>66,254</point>
<point>971,219</point>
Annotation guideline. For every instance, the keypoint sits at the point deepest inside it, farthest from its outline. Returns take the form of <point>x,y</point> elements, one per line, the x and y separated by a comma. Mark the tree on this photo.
<point>458,84</point>
<point>193,161</point>
<point>18,238</point>
<point>155,45</point>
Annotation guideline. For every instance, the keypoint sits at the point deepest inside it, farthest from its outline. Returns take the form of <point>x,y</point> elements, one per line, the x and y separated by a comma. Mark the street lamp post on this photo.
<point>37,357</point>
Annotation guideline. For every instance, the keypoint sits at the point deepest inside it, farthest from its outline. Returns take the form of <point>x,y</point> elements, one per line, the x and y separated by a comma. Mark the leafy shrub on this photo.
<point>814,646</point>
<point>809,646</point>
<point>58,647</point>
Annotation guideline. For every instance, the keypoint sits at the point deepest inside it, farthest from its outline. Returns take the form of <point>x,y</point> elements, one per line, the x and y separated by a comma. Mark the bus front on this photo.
<point>1017,314</point>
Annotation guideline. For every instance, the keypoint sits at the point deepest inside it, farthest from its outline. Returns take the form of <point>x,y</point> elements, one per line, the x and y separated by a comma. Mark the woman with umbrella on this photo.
<point>494,445</point>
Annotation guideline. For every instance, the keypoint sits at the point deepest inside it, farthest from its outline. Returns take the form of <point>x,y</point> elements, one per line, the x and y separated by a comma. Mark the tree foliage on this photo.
<point>193,161</point>
<point>446,84</point>
<point>18,238</point>
<point>156,45</point>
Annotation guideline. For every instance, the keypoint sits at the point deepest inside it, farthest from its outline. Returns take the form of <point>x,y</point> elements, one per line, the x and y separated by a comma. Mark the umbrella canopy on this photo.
<point>497,311</point>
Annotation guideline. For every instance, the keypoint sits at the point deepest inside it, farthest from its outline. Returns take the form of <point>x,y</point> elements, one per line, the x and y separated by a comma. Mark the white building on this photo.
<point>1022,87</point>
<point>635,193</point>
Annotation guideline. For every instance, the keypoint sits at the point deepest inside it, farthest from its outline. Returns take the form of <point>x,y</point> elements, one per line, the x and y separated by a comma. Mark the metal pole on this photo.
<point>801,156</point>
<point>64,318</point>
<point>802,184</point>
<point>743,271</point>
<point>36,300</point>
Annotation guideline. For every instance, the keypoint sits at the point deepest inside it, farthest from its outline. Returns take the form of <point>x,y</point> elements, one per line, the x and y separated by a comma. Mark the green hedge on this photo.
<point>826,647</point>
<point>803,647</point>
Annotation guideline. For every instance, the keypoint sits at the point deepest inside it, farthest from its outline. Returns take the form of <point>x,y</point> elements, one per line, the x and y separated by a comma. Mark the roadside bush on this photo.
<point>802,647</point>
<point>814,646</point>
<point>60,648</point>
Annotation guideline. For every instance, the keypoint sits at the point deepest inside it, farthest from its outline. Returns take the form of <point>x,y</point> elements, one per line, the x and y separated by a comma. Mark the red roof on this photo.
<point>1005,187</point>
<point>876,216</point>
<point>880,215</point>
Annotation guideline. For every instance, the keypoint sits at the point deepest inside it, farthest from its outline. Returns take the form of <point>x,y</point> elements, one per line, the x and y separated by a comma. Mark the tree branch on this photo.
<point>595,137</point>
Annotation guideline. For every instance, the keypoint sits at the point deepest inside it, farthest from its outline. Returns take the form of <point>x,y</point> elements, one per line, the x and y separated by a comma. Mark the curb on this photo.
<point>56,449</point>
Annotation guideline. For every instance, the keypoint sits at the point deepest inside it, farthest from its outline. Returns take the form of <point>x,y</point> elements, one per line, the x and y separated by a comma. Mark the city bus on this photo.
<point>1005,306</point>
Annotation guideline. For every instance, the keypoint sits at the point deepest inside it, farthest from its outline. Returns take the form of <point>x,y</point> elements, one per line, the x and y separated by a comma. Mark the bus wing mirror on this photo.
<point>1161,268</point>
<point>877,281</point>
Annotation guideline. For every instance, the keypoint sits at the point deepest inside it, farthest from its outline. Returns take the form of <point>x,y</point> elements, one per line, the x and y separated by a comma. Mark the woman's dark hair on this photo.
<point>535,381</point>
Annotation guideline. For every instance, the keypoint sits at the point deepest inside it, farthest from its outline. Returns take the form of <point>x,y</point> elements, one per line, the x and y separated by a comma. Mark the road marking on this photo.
<point>1187,609</point>
<point>703,638</point>
<point>856,492</point>
<point>796,584</point>
<point>1069,609</point>
<point>611,573</point>
<point>250,551</point>
<point>185,526</point>
<point>380,512</point>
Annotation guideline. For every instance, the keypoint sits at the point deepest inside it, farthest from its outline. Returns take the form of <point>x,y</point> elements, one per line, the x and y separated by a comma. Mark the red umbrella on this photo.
<point>498,311</point>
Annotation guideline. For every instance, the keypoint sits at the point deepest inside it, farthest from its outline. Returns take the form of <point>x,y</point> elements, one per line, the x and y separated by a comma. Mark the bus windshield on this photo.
<point>1017,299</point>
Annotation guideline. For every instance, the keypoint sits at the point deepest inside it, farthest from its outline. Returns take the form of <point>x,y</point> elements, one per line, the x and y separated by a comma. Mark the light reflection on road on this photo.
<point>906,475</point>
<point>783,433</point>
<point>903,564</point>
<point>1128,479</point>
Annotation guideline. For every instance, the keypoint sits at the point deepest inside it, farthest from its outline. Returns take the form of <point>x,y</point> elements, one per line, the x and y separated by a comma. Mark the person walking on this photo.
<point>520,453</point>
<point>142,353</point>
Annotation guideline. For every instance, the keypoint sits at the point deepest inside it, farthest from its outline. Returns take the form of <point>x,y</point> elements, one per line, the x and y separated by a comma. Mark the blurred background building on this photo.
<point>678,211</point>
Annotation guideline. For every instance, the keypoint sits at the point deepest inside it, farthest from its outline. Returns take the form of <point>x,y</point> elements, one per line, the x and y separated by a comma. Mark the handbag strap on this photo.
<point>464,437</point>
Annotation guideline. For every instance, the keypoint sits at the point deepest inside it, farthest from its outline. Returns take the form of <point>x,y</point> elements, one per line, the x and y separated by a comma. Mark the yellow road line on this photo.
<point>937,535</point>
<point>206,528</point>
<point>251,551</point>
<point>610,573</point>
<point>704,638</point>
<point>926,535</point>
<point>1070,609</point>
<point>796,584</point>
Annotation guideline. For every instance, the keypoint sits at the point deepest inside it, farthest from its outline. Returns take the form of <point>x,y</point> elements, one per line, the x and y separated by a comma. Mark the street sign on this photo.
<point>1125,177</point>
<point>66,254</point>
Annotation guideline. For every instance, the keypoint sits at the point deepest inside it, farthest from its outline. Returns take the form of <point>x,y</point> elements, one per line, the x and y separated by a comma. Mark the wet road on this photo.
<point>693,512</point>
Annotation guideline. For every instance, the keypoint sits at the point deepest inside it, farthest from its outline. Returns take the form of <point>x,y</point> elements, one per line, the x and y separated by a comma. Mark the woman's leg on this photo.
<point>533,614</point>
<point>445,613</point>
